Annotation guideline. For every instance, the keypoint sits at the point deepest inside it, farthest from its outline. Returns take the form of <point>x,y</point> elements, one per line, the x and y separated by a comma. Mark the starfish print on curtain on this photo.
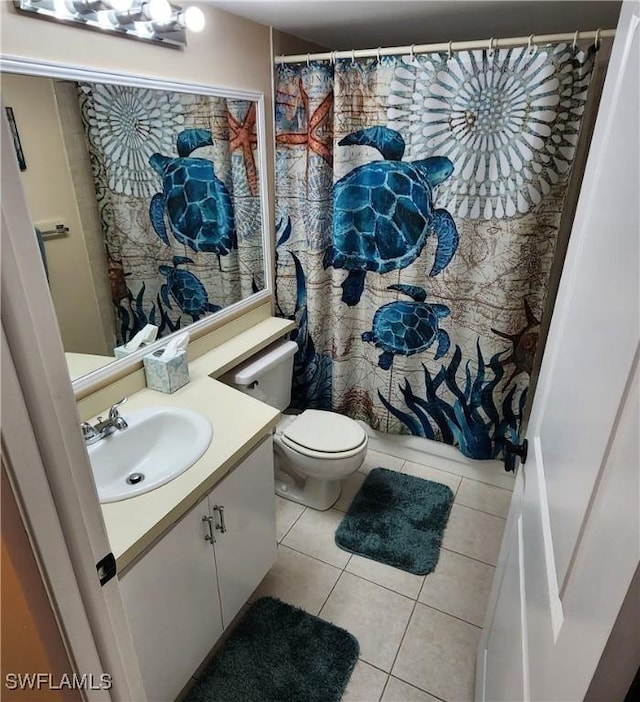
<point>312,136</point>
<point>244,138</point>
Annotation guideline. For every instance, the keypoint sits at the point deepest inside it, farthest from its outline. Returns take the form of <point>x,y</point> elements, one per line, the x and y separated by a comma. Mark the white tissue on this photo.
<point>146,335</point>
<point>175,347</point>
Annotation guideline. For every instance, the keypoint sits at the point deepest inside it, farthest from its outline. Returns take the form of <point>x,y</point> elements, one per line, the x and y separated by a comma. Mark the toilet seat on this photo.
<point>325,435</point>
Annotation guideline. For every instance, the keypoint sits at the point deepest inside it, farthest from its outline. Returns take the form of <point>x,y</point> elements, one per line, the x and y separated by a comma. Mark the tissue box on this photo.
<point>166,376</point>
<point>120,352</point>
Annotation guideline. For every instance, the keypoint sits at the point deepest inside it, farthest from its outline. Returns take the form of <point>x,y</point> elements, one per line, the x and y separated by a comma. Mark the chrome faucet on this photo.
<point>104,427</point>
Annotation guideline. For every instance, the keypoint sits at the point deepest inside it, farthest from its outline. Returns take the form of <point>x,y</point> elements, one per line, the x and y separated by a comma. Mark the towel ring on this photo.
<point>530,45</point>
<point>575,40</point>
<point>450,51</point>
<point>596,41</point>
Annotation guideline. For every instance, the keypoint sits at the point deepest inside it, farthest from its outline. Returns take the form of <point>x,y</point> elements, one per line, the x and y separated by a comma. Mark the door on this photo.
<point>171,601</point>
<point>571,542</point>
<point>243,507</point>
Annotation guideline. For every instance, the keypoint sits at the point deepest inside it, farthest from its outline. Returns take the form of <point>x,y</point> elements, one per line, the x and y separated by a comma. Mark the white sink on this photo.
<point>159,444</point>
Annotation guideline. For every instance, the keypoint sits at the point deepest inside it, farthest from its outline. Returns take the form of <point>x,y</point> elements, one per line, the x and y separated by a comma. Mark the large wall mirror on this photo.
<point>148,200</point>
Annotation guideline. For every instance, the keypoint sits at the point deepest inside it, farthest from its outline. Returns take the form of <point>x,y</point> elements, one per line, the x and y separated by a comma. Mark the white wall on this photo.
<point>48,187</point>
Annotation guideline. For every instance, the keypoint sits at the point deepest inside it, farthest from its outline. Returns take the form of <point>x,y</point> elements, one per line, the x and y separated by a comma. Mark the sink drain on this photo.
<point>135,478</point>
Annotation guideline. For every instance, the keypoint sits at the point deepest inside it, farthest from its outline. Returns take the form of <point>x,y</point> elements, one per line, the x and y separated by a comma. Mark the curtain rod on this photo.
<point>449,46</point>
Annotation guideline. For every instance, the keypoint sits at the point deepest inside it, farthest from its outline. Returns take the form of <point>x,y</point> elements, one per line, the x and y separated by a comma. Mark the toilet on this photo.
<point>313,451</point>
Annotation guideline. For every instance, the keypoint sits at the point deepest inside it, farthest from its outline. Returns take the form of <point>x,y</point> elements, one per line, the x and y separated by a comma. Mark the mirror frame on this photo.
<point>118,368</point>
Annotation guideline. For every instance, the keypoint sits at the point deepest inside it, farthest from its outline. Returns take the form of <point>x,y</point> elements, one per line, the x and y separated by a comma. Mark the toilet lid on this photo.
<point>325,432</point>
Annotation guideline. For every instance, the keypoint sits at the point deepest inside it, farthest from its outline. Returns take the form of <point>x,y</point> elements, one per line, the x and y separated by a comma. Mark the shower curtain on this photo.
<point>418,201</point>
<point>177,187</point>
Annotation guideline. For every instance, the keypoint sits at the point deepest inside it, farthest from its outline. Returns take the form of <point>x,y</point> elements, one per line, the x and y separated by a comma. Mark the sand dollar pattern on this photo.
<point>508,119</point>
<point>128,125</point>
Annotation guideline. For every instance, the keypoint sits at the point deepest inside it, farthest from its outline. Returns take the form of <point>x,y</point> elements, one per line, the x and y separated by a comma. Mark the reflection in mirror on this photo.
<point>160,192</point>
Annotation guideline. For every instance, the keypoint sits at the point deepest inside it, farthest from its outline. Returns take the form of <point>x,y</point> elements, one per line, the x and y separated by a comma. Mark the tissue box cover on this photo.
<point>119,352</point>
<point>166,376</point>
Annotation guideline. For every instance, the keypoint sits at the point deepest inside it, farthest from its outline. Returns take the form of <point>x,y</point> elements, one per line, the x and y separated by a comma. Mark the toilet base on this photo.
<point>314,493</point>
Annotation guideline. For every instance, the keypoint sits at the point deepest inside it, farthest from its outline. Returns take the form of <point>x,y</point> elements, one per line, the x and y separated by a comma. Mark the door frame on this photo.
<point>46,460</point>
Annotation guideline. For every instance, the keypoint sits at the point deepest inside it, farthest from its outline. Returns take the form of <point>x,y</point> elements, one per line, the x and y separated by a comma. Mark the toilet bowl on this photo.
<point>314,451</point>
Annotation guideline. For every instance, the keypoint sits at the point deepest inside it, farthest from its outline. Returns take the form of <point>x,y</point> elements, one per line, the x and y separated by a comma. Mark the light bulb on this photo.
<point>159,11</point>
<point>61,9</point>
<point>118,5</point>
<point>194,19</point>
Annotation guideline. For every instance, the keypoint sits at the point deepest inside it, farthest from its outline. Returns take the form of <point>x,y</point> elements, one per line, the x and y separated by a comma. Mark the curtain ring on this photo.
<point>596,41</point>
<point>333,58</point>
<point>490,52</point>
<point>450,51</point>
<point>412,52</point>
<point>530,45</point>
<point>575,40</point>
<point>308,57</point>
<point>353,57</point>
<point>378,54</point>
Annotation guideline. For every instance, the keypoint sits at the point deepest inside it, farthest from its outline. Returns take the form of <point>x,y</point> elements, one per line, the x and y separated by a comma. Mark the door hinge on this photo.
<point>106,568</point>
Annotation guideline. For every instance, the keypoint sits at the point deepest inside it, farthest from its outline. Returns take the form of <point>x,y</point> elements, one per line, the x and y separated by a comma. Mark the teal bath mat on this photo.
<point>279,653</point>
<point>397,519</point>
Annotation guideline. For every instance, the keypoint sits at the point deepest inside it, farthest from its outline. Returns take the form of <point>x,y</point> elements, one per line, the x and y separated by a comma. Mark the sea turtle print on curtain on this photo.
<point>408,327</point>
<point>179,201</point>
<point>424,320</point>
<point>383,212</point>
<point>196,202</point>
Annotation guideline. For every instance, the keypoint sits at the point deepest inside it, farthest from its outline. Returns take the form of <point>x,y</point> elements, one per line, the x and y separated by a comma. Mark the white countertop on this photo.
<point>80,364</point>
<point>239,424</point>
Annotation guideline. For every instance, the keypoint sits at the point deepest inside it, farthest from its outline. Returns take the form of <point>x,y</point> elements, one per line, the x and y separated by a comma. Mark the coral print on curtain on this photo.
<point>418,202</point>
<point>178,195</point>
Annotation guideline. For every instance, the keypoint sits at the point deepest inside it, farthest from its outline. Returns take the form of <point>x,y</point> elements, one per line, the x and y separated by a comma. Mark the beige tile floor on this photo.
<point>418,635</point>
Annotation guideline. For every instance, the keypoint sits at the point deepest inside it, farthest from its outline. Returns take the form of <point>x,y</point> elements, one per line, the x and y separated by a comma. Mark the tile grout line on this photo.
<point>435,697</point>
<point>448,614</point>
<point>412,684</point>
<point>384,687</point>
<point>464,555</point>
<point>404,634</point>
<point>295,521</point>
<point>477,509</point>
<point>457,475</point>
<point>334,587</point>
<point>315,558</point>
<point>384,587</point>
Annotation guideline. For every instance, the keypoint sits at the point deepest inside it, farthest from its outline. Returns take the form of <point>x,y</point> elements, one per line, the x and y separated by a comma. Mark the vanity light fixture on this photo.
<point>159,21</point>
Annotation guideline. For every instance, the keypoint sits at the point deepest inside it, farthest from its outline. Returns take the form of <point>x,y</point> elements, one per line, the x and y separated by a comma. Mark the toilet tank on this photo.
<point>266,375</point>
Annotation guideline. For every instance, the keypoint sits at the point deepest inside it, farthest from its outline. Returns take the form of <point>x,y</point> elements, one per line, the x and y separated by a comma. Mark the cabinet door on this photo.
<point>247,548</point>
<point>172,604</point>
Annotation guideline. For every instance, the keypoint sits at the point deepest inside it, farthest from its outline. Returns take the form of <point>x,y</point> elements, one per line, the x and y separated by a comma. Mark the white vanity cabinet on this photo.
<point>185,590</point>
<point>245,547</point>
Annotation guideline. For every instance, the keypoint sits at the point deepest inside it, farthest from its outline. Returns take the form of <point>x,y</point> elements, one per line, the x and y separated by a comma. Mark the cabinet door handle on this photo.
<point>209,537</point>
<point>220,510</point>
